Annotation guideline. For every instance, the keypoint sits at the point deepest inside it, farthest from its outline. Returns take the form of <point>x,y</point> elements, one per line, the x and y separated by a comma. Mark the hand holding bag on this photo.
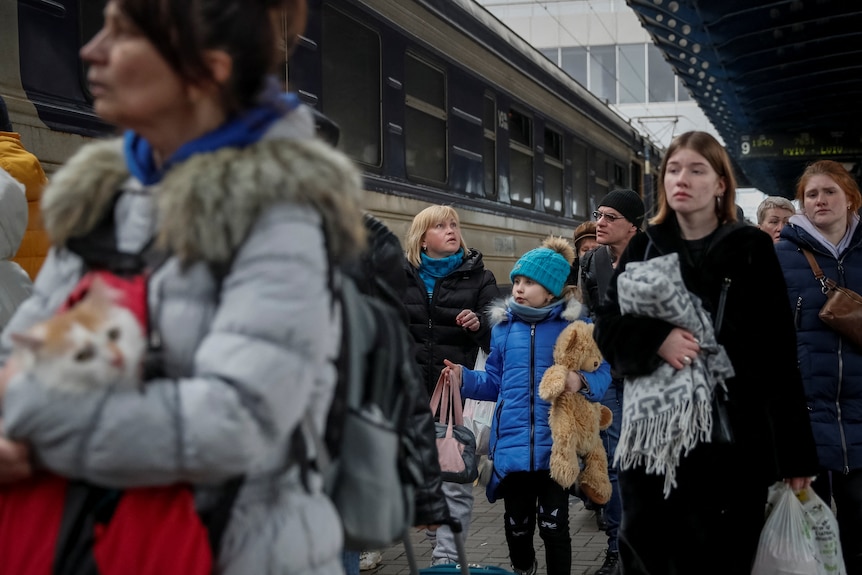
<point>456,445</point>
<point>843,308</point>
<point>478,413</point>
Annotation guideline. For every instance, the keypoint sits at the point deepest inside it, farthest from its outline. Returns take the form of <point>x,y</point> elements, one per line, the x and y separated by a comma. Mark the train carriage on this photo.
<point>436,100</point>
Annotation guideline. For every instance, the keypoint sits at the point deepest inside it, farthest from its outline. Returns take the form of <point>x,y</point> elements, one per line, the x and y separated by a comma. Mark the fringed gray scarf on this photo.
<point>666,413</point>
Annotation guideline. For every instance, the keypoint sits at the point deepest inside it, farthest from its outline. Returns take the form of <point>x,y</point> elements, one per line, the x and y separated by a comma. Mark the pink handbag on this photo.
<point>456,445</point>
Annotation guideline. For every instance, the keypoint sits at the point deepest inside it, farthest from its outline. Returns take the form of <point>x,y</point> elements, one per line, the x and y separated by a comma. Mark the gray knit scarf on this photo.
<point>667,412</point>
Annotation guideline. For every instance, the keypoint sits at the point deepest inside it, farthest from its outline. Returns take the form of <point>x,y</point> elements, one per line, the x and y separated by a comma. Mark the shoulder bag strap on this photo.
<point>827,283</point>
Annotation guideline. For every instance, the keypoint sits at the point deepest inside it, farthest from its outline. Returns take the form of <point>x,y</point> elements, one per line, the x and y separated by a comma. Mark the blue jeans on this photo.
<point>459,497</point>
<point>613,510</point>
<point>351,562</point>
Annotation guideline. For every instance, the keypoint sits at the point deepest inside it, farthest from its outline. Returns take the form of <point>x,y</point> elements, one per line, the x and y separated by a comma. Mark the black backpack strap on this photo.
<point>217,517</point>
<point>85,506</point>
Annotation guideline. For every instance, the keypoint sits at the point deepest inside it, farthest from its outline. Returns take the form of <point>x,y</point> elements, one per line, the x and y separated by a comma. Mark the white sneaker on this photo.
<point>369,560</point>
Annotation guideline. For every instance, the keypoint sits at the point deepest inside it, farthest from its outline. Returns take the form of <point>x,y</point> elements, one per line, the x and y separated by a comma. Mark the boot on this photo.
<point>611,566</point>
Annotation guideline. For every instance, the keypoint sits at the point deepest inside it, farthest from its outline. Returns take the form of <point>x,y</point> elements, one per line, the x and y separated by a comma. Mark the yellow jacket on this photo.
<point>25,167</point>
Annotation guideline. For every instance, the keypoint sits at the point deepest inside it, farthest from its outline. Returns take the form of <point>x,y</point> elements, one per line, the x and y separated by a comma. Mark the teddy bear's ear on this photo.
<point>606,417</point>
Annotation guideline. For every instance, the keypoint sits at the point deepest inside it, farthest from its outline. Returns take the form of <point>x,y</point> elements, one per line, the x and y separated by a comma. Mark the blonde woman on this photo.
<point>448,290</point>
<point>773,214</point>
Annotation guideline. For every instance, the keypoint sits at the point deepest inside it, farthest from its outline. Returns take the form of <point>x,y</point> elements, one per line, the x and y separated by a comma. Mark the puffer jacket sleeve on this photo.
<point>488,292</point>
<point>630,343</point>
<point>598,381</point>
<point>265,359</point>
<point>484,385</point>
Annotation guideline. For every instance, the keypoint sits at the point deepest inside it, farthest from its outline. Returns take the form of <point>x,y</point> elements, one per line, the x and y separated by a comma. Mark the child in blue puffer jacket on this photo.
<point>522,344</point>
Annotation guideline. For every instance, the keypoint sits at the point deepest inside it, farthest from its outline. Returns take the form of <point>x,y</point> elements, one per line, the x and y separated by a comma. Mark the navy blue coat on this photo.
<point>831,366</point>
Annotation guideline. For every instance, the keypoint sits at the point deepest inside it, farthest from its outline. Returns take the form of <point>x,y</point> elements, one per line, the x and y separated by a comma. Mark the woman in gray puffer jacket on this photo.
<point>225,177</point>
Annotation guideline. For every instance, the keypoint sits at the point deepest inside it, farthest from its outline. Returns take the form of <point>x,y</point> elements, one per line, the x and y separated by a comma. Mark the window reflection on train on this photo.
<point>435,99</point>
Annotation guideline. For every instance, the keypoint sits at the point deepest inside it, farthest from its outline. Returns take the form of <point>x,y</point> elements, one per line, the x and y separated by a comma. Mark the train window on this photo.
<point>602,168</point>
<point>580,205</point>
<point>553,171</point>
<point>520,158</point>
<point>425,120</point>
<point>489,151</point>
<point>620,178</point>
<point>637,178</point>
<point>351,85</point>
<point>521,128</point>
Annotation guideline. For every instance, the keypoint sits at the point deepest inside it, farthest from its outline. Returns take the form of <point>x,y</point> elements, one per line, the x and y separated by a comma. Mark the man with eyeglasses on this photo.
<point>618,218</point>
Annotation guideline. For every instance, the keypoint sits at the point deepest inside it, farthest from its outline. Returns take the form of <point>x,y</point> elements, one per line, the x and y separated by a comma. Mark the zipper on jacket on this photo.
<point>722,302</point>
<point>532,394</point>
<point>838,419</point>
<point>797,313</point>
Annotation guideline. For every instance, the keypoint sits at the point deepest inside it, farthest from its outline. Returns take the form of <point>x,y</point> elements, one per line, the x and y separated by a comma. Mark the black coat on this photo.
<point>378,273</point>
<point>432,322</point>
<point>767,405</point>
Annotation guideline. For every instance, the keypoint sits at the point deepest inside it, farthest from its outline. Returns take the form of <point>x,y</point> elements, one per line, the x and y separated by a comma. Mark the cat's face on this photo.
<point>94,344</point>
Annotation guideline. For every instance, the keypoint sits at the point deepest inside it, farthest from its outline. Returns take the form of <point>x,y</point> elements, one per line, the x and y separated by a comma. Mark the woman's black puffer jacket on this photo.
<point>432,322</point>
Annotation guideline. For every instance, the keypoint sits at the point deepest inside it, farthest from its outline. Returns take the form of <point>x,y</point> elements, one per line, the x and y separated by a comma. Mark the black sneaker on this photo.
<point>611,566</point>
<point>601,520</point>
<point>531,571</point>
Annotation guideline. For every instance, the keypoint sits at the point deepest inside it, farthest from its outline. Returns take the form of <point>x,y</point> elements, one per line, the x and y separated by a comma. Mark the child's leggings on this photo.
<point>530,496</point>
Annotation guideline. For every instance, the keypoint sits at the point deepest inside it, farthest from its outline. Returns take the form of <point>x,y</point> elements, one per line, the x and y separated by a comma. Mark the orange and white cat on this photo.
<point>96,343</point>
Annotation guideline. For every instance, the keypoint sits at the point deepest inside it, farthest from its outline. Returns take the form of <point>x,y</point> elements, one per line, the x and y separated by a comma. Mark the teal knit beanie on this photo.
<point>549,265</point>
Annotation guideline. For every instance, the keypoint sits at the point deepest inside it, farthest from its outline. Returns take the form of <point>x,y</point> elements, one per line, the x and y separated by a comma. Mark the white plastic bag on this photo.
<point>787,545</point>
<point>822,521</point>
<point>478,414</point>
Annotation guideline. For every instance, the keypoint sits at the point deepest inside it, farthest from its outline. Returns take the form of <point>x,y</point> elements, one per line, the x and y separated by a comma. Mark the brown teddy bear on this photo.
<point>574,420</point>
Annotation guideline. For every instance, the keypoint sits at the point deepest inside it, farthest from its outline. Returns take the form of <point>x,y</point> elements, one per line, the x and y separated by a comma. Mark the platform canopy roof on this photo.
<point>780,80</point>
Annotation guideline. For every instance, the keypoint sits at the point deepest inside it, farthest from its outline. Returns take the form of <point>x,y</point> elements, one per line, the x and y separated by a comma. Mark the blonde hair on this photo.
<point>422,222</point>
<point>773,202</point>
<point>714,153</point>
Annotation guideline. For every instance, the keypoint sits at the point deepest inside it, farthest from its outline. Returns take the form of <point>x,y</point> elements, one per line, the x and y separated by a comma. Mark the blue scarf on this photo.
<point>533,314</point>
<point>431,269</point>
<point>238,132</point>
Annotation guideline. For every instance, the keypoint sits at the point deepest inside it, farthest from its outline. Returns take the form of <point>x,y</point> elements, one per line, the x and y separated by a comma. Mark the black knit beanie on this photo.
<point>626,202</point>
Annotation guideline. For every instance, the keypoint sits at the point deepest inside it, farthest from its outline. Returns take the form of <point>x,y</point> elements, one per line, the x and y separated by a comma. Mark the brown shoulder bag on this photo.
<point>843,308</point>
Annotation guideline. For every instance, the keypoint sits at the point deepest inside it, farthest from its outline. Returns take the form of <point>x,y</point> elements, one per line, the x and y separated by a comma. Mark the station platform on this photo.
<point>486,542</point>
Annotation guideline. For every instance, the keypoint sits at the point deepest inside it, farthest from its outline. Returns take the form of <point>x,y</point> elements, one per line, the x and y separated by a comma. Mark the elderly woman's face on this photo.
<point>130,81</point>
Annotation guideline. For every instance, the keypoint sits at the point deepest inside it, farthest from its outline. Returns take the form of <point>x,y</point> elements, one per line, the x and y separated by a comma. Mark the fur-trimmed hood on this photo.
<point>207,204</point>
<point>498,312</point>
